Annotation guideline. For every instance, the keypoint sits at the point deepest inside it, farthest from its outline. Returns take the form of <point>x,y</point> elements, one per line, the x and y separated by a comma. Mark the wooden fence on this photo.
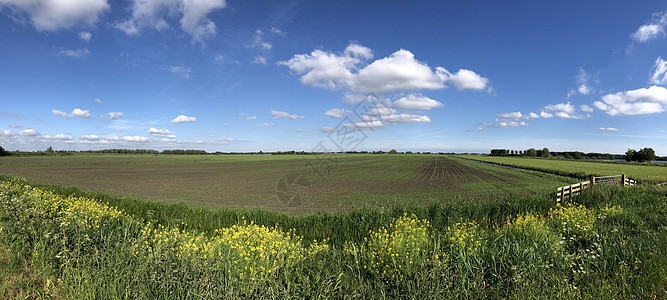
<point>571,190</point>
<point>575,189</point>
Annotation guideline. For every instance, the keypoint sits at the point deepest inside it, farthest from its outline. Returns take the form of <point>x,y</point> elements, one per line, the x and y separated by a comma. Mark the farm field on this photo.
<point>282,182</point>
<point>640,172</point>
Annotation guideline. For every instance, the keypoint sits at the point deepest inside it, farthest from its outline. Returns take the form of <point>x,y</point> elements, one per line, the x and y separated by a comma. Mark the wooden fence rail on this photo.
<point>571,190</point>
<point>575,189</point>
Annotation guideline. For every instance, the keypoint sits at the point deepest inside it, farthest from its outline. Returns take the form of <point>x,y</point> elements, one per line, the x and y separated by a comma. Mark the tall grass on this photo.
<point>609,241</point>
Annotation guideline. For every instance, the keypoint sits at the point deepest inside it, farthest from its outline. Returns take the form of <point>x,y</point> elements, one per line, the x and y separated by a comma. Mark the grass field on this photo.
<point>285,182</point>
<point>647,173</point>
<point>64,243</point>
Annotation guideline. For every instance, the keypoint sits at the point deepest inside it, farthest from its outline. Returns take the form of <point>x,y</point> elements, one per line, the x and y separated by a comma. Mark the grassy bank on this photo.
<point>610,242</point>
<point>642,172</point>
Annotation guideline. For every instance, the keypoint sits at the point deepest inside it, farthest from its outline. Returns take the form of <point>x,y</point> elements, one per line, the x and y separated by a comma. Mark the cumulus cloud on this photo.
<point>114,115</point>
<point>90,137</point>
<point>582,79</point>
<point>155,131</point>
<point>507,124</point>
<point>266,124</point>
<point>285,115</point>
<point>327,129</point>
<point>659,72</point>
<point>634,102</point>
<point>85,36</point>
<point>155,14</point>
<point>337,113</point>
<point>561,110</point>
<point>80,113</point>
<point>585,108</point>
<point>52,15</point>
<point>76,53</point>
<point>59,137</point>
<point>29,132</point>
<point>135,138</point>
<point>6,133</point>
<point>77,112</point>
<point>398,72</point>
<point>612,129</point>
<point>249,118</point>
<point>416,101</point>
<point>517,115</point>
<point>468,80</point>
<point>184,119</point>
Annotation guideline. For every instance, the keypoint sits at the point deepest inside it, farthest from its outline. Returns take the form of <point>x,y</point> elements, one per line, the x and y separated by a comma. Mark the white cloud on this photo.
<point>259,42</point>
<point>135,138</point>
<point>60,113</point>
<point>29,132</point>
<point>114,115</point>
<point>52,15</point>
<point>156,13</point>
<point>583,89</point>
<point>249,118</point>
<point>532,116</point>
<point>98,100</point>
<point>327,129</point>
<point>561,110</point>
<point>285,115</point>
<point>90,137</point>
<point>15,126</point>
<point>659,72</point>
<point>277,31</point>
<point>468,80</point>
<point>634,102</point>
<point>78,53</point>
<point>181,70</point>
<point>80,113</point>
<point>612,129</point>
<point>586,108</point>
<point>59,137</point>
<point>85,36</point>
<point>366,125</point>
<point>647,32</point>
<point>546,115</point>
<point>517,115</point>
<point>404,118</point>
<point>398,72</point>
<point>6,133</point>
<point>155,131</point>
<point>338,113</point>
<point>184,119</point>
<point>266,124</point>
<point>507,124</point>
<point>259,60</point>
<point>416,101</point>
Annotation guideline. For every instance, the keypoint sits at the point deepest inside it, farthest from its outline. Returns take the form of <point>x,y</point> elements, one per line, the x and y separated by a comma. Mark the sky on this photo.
<point>232,76</point>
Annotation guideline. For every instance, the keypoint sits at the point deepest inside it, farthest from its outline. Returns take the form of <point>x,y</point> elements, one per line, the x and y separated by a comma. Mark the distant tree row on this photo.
<point>532,152</point>
<point>643,155</point>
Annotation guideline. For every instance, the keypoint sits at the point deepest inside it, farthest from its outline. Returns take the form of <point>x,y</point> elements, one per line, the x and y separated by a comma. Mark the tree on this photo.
<point>577,155</point>
<point>531,152</point>
<point>49,150</point>
<point>392,151</point>
<point>646,154</point>
<point>545,152</point>
<point>3,152</point>
<point>630,155</point>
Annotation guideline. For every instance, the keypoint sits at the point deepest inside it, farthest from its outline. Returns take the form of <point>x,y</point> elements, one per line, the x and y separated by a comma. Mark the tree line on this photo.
<point>643,155</point>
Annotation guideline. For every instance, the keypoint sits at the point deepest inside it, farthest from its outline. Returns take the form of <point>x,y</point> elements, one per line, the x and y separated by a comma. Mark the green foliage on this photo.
<point>4,152</point>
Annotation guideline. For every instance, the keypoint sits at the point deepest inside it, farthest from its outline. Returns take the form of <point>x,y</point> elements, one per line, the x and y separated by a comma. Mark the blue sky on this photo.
<point>462,76</point>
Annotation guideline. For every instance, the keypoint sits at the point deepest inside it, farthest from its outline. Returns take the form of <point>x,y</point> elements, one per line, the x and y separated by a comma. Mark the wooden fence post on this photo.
<point>593,180</point>
<point>623,179</point>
